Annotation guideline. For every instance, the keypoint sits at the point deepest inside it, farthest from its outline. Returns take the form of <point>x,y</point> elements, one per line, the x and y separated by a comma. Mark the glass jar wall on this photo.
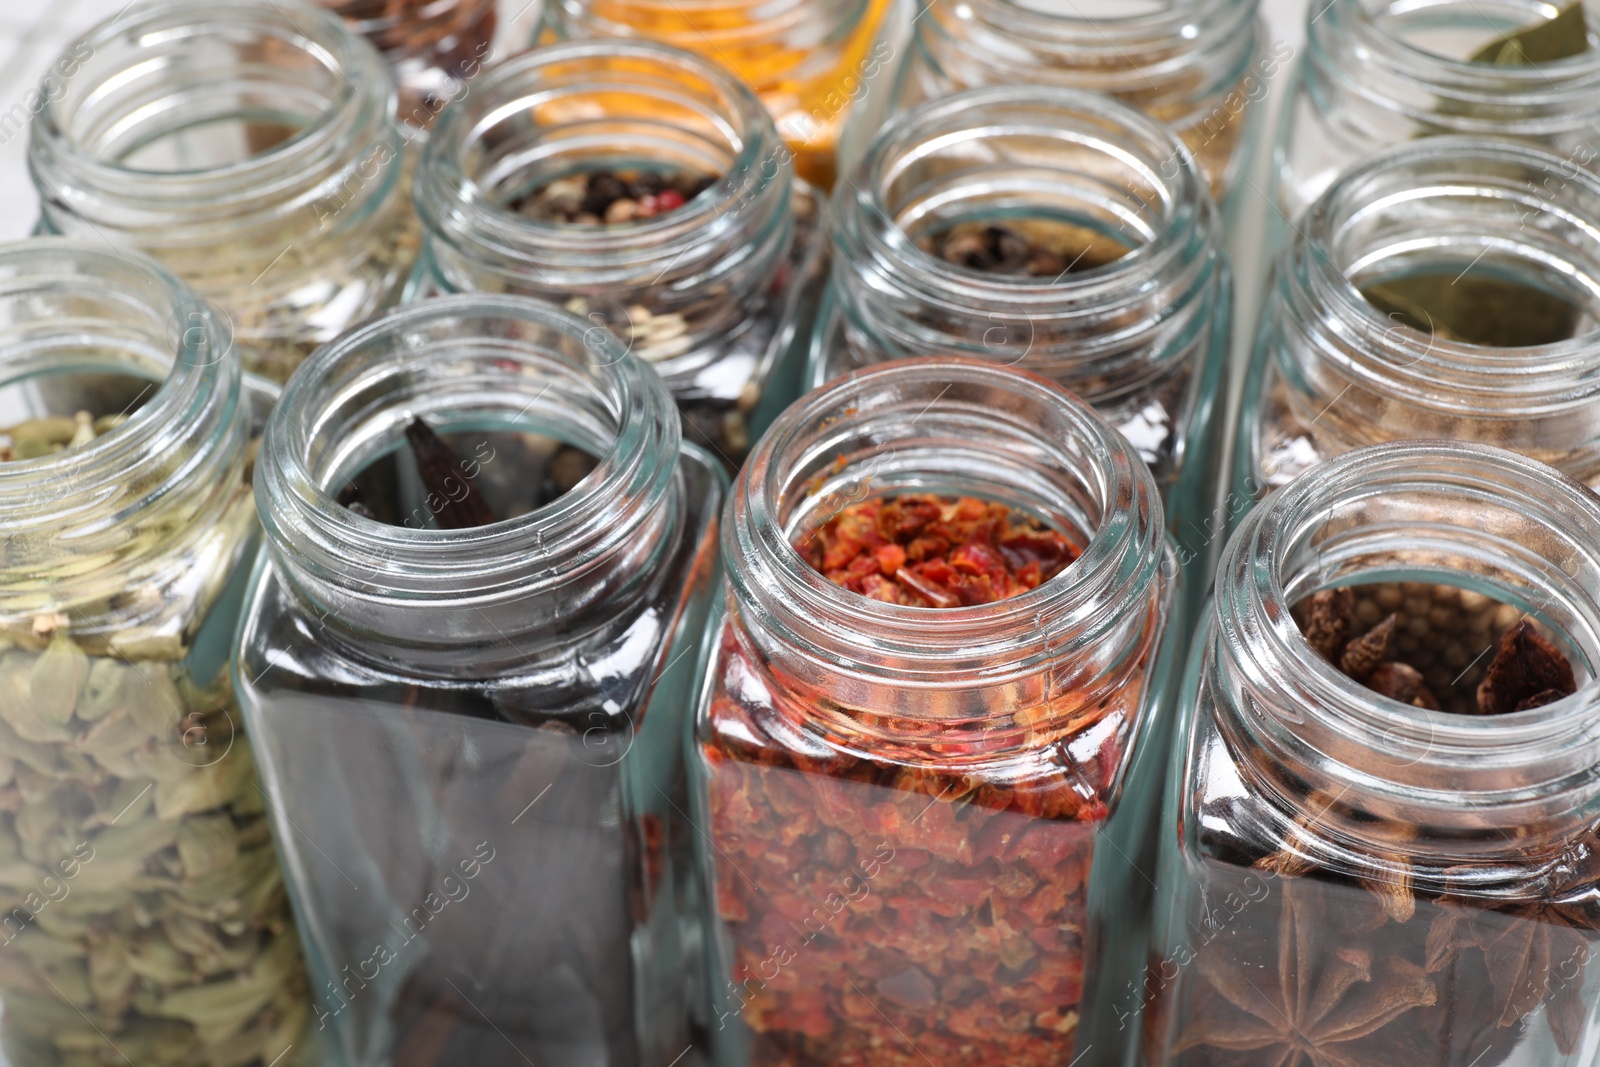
<point>813,62</point>
<point>1379,73</point>
<point>646,190</point>
<point>466,656</point>
<point>1351,876</point>
<point>249,146</point>
<point>1450,289</point>
<point>921,820</point>
<point>142,911</point>
<point>432,48</point>
<point>1051,230</point>
<point>1198,66</point>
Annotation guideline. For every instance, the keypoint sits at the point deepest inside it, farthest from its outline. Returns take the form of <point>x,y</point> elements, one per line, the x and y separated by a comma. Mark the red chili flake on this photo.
<point>931,552</point>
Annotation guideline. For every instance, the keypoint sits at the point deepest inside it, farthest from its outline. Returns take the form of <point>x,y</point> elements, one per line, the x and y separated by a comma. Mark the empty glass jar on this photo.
<point>1055,231</point>
<point>1446,289</point>
<point>921,822</point>
<point>1378,73</point>
<point>535,184</point>
<point>1199,66</point>
<point>142,912</point>
<point>249,146</point>
<point>472,734</point>
<point>1348,878</point>
<point>813,62</point>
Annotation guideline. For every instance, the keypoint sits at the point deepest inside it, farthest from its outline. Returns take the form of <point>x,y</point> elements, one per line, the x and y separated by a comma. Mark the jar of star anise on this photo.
<point>645,189</point>
<point>1378,73</point>
<point>1199,66</point>
<point>822,67</point>
<point>143,916</point>
<point>249,145</point>
<point>1057,231</point>
<point>1445,289</point>
<point>928,725</point>
<point>433,47</point>
<point>466,657</point>
<point>1368,860</point>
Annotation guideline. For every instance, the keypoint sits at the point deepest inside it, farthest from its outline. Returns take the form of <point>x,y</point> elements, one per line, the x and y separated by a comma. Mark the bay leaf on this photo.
<point>1475,309</point>
<point>1564,36</point>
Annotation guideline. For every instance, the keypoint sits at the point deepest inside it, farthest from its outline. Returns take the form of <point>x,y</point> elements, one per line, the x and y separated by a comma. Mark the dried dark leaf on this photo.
<point>1541,42</point>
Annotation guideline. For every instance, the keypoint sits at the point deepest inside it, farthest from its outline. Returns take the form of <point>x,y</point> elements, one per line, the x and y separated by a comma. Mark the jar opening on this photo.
<point>1487,31</point>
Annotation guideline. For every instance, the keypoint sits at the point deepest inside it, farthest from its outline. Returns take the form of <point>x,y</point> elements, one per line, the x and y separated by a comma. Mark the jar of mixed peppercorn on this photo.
<point>432,47</point>
<point>1381,842</point>
<point>1378,73</point>
<point>820,66</point>
<point>645,189</point>
<point>1445,289</point>
<point>249,146</point>
<point>1056,231</point>
<point>143,916</point>
<point>1198,66</point>
<point>467,659</point>
<point>928,723</point>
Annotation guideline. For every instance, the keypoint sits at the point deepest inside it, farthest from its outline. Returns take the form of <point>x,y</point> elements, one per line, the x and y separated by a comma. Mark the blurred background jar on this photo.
<point>467,655</point>
<point>142,911</point>
<point>1349,876</point>
<point>1055,231</point>
<point>1450,289</point>
<point>923,822</point>
<point>432,46</point>
<point>1378,73</point>
<point>1199,66</point>
<point>646,190</point>
<point>813,62</point>
<point>249,146</point>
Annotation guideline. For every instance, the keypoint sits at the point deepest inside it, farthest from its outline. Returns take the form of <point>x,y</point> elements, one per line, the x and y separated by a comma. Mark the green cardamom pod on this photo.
<point>206,844</point>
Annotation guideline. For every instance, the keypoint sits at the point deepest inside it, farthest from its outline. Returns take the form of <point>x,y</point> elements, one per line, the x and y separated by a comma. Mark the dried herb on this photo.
<point>1545,41</point>
<point>611,197</point>
<point>1475,308</point>
<point>931,552</point>
<point>1023,248</point>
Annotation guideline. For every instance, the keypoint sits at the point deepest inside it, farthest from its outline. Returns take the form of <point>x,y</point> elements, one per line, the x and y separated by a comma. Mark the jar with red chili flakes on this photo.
<point>929,726</point>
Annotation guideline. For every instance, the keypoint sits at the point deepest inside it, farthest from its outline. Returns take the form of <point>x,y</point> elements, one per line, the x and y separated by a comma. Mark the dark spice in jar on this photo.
<point>611,197</point>
<point>1026,248</point>
<point>1475,308</point>
<point>1436,646</point>
<point>1545,41</point>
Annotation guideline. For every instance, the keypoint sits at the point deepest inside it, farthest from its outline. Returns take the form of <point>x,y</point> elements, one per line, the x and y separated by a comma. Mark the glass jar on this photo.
<point>921,823</point>
<point>432,48</point>
<point>144,914</point>
<point>1198,66</point>
<point>472,737</point>
<point>1129,305</point>
<point>1378,73</point>
<point>813,62</point>
<point>714,293</point>
<point>1445,289</point>
<point>1348,879</point>
<point>247,145</point>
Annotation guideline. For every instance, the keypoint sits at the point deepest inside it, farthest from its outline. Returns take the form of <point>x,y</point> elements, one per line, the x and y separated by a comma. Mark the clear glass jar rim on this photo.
<point>1281,671</point>
<point>543,549</point>
<point>449,200</point>
<point>365,99</point>
<point>1123,555</point>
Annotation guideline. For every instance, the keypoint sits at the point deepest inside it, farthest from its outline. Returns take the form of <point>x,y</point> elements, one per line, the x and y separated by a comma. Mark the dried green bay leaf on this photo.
<point>1477,310</point>
<point>1564,36</point>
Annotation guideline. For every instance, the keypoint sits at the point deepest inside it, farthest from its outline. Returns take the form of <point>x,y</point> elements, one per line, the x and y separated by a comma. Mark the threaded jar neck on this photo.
<point>192,123</point>
<point>82,327</point>
<point>1467,516</point>
<point>1131,301</point>
<point>951,427</point>
<point>492,596</point>
<point>1169,57</point>
<point>577,107</point>
<point>1450,207</point>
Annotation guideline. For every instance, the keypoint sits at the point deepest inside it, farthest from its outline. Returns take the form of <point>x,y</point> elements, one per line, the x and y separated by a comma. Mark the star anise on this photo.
<point>1535,952</point>
<point>1324,1002</point>
<point>1527,672</point>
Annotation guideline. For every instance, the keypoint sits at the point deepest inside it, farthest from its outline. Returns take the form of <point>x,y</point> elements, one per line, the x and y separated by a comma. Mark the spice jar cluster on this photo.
<point>709,536</point>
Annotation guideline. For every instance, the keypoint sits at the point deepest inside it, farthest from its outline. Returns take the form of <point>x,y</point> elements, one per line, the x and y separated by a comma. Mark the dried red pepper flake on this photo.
<point>933,552</point>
